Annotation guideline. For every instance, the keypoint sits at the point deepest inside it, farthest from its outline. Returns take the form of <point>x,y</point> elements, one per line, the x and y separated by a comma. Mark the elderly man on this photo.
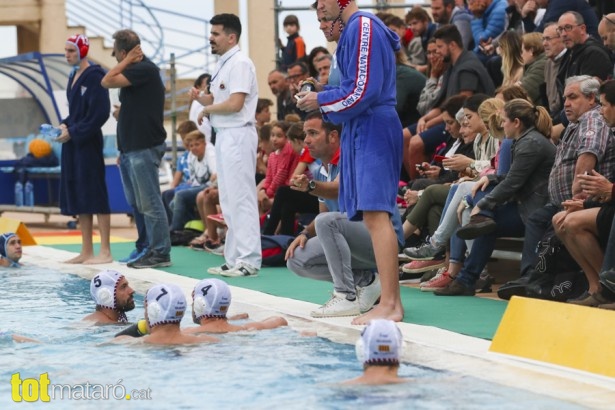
<point>589,234</point>
<point>278,83</point>
<point>555,8</point>
<point>606,29</point>
<point>587,144</point>
<point>10,250</point>
<point>555,51</point>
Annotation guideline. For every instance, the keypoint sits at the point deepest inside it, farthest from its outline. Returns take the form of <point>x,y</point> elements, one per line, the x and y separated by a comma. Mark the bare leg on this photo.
<point>417,154</point>
<point>383,236</point>
<point>407,165</point>
<point>454,268</point>
<point>104,256</point>
<point>211,201</point>
<point>87,249</point>
<point>579,233</point>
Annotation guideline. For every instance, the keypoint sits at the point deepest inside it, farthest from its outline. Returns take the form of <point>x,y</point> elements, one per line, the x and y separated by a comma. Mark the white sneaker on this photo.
<point>242,270</point>
<point>338,305</point>
<point>217,270</point>
<point>369,295</point>
<point>218,250</point>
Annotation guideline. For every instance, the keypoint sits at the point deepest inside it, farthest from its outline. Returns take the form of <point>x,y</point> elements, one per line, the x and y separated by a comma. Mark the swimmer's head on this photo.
<point>110,290</point>
<point>211,298</point>
<point>164,304</point>
<point>10,247</point>
<point>380,344</point>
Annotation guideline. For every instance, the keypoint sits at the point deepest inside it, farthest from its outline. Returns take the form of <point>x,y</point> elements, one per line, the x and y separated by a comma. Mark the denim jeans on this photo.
<point>184,204</point>
<point>509,224</point>
<point>139,172</point>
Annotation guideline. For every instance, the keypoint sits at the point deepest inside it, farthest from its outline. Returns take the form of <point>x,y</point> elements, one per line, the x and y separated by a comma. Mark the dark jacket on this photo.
<point>527,180</point>
<point>590,58</point>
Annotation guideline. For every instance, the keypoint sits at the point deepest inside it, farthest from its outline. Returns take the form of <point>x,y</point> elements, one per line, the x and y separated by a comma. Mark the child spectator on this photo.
<point>280,165</point>
<point>295,47</point>
<point>181,175</point>
<point>264,150</point>
<point>263,115</point>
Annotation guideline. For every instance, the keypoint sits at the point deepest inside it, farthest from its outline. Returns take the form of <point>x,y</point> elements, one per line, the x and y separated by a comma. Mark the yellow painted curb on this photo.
<point>568,335</point>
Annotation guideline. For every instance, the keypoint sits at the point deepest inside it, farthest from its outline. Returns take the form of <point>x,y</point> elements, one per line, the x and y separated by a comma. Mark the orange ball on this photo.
<point>39,148</point>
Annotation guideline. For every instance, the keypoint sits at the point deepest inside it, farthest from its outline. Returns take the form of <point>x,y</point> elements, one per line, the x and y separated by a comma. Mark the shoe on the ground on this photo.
<point>409,277</point>
<point>403,258</point>
<point>242,270</point>
<point>368,295</point>
<point>151,260</point>
<point>426,252</point>
<point>608,277</point>
<point>338,306</point>
<point>427,276</point>
<point>134,255</point>
<point>590,299</point>
<point>607,306</point>
<point>217,270</point>
<point>440,281</point>
<point>484,282</point>
<point>455,288</point>
<point>423,266</point>
<point>479,225</point>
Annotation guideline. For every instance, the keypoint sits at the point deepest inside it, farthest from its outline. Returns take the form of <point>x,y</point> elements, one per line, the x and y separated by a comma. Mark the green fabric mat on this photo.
<point>471,316</point>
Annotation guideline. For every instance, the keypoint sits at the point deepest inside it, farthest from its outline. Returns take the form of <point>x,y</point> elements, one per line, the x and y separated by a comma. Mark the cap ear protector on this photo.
<point>82,44</point>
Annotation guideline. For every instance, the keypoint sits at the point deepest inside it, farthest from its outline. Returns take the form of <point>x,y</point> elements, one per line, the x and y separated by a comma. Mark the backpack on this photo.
<point>555,275</point>
<point>273,249</point>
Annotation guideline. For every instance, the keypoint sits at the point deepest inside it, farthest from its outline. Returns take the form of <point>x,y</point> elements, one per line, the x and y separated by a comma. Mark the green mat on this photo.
<point>471,316</point>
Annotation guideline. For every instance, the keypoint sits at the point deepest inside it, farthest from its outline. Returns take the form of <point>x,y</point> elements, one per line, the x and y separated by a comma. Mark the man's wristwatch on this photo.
<point>311,185</point>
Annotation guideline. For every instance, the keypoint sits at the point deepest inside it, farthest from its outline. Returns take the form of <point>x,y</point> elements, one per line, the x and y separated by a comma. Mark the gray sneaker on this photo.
<point>151,260</point>
<point>426,252</point>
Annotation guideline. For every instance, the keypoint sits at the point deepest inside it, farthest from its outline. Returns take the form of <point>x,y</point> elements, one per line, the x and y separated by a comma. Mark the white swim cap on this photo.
<point>380,343</point>
<point>103,288</point>
<point>212,298</point>
<point>165,304</point>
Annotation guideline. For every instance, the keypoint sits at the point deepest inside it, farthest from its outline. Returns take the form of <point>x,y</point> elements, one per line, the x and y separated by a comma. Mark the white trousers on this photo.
<point>236,163</point>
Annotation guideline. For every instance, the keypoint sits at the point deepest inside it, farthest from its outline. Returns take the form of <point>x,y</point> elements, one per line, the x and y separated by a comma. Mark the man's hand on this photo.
<point>64,136</point>
<point>116,111</point>
<point>201,115</point>
<point>299,183</point>
<point>529,9</point>
<point>432,171</point>
<point>437,67</point>
<point>298,241</point>
<point>135,55</point>
<point>457,162</point>
<point>596,186</point>
<point>572,205</point>
<point>411,197</point>
<point>307,101</point>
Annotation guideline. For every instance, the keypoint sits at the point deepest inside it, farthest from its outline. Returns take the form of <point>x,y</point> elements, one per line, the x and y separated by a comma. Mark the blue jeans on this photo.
<point>139,172</point>
<point>509,225</point>
<point>184,204</point>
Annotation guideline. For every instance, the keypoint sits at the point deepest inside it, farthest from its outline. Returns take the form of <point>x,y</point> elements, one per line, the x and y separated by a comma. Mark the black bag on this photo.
<point>555,276</point>
<point>183,237</point>
<point>273,248</point>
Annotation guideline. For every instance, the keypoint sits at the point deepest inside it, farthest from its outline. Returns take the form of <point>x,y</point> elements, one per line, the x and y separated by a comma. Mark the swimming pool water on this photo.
<point>255,370</point>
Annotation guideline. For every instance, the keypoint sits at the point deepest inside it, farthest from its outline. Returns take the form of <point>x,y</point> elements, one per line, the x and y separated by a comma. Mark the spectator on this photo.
<point>295,47</point>
<point>446,12</point>
<point>202,84</point>
<point>534,59</point>
<point>554,51</point>
<point>83,190</point>
<point>297,73</point>
<point>263,115</point>
<point>512,62</point>
<point>488,24</point>
<point>315,54</point>
<point>423,28</point>
<point>141,141</point>
<point>280,87</point>
<point>555,8</point>
<point>410,84</point>
<point>323,66</point>
<point>412,48</point>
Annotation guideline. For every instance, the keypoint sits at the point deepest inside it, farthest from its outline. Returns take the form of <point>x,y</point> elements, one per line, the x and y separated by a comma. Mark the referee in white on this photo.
<point>231,106</point>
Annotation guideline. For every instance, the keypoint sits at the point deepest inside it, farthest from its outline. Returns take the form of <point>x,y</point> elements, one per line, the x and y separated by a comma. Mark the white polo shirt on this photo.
<point>235,73</point>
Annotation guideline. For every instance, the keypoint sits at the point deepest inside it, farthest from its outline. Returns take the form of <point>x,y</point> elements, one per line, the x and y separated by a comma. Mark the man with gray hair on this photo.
<point>606,29</point>
<point>587,144</point>
<point>554,51</point>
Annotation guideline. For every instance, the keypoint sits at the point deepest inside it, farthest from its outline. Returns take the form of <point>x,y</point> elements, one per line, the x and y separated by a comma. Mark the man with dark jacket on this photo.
<point>555,8</point>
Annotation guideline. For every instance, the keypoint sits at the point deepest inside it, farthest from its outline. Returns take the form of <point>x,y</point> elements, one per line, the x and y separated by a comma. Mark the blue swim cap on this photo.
<point>4,238</point>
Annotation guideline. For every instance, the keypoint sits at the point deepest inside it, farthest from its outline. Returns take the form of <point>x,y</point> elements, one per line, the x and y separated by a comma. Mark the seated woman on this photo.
<point>504,210</point>
<point>585,228</point>
<point>280,166</point>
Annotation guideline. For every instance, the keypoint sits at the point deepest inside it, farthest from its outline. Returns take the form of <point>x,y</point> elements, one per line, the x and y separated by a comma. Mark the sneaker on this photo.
<point>217,270</point>
<point>607,306</point>
<point>337,306</point>
<point>484,282</point>
<point>151,260</point>
<point>479,225</point>
<point>403,258</point>
<point>409,277</point>
<point>134,255</point>
<point>368,295</point>
<point>426,252</point>
<point>423,266</point>
<point>241,270</point>
<point>455,288</point>
<point>440,281</point>
<point>590,299</point>
<point>218,250</point>
<point>427,276</point>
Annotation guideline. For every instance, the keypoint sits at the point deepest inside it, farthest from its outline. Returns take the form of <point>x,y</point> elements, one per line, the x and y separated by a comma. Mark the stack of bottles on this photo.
<point>24,194</point>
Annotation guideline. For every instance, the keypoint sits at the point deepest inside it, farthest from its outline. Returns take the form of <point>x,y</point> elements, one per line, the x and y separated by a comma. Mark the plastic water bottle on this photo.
<point>49,131</point>
<point>29,194</point>
<point>18,193</point>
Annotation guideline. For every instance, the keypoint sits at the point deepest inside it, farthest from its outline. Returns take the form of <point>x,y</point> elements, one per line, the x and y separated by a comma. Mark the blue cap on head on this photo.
<point>4,238</point>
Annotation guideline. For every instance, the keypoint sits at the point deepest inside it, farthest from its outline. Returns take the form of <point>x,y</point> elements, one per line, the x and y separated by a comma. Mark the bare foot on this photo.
<point>79,259</point>
<point>394,313</point>
<point>98,260</point>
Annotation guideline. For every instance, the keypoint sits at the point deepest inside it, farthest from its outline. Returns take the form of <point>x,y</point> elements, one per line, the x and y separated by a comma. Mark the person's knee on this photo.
<point>416,144</point>
<point>296,265</point>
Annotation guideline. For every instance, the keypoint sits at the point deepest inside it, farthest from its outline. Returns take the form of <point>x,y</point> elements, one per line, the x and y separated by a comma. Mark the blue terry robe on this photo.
<point>82,184</point>
<point>372,137</point>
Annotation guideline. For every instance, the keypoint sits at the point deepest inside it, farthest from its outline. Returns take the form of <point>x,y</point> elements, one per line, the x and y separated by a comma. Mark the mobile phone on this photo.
<point>420,167</point>
<point>439,158</point>
<point>297,97</point>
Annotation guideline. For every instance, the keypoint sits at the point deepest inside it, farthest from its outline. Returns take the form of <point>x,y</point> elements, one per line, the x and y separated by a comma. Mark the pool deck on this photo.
<point>425,345</point>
